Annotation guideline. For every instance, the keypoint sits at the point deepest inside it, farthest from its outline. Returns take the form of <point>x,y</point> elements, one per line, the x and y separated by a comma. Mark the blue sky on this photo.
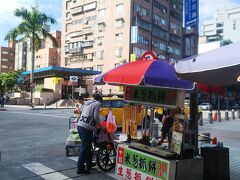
<point>8,21</point>
<point>54,8</point>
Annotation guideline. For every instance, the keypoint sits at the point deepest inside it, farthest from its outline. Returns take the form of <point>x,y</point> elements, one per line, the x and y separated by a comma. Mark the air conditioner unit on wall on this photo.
<point>99,42</point>
<point>85,21</point>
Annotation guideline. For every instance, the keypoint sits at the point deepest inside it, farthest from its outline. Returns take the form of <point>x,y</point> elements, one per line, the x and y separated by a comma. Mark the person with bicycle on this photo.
<point>86,126</point>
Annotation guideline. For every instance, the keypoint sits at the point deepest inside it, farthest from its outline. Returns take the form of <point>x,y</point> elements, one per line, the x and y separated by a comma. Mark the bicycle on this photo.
<point>103,152</point>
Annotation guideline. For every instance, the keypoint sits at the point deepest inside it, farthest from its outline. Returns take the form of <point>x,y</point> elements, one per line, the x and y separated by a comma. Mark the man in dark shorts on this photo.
<point>167,126</point>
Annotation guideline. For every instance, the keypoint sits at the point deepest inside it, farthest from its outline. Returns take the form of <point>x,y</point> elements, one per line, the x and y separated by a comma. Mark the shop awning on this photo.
<point>145,72</point>
<point>219,67</point>
<point>56,71</point>
<point>212,89</point>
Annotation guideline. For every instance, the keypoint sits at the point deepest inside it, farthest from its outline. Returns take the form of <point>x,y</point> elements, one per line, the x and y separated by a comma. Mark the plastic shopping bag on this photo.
<point>111,125</point>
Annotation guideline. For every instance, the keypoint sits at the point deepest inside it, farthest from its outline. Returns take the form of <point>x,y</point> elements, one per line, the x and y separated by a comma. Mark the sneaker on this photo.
<point>84,171</point>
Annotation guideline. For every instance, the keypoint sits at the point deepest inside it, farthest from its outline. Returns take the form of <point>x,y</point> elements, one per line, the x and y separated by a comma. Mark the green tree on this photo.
<point>32,27</point>
<point>9,82</point>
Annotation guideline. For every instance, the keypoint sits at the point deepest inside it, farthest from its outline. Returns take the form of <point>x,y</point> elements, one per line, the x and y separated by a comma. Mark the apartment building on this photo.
<point>225,25</point>
<point>47,55</point>
<point>7,58</point>
<point>96,34</point>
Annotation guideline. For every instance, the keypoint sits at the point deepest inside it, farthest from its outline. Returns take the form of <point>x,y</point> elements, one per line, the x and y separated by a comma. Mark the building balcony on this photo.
<point>87,43</point>
<point>82,32</point>
<point>75,50</point>
<point>77,10</point>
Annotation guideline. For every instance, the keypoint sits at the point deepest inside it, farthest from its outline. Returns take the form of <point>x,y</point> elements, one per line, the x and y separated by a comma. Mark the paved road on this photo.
<point>32,145</point>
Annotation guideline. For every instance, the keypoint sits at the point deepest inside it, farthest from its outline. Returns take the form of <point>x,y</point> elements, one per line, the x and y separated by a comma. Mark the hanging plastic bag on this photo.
<point>111,125</point>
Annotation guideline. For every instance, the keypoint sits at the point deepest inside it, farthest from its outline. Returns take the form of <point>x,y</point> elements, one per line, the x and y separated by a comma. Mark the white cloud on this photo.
<point>7,9</point>
<point>208,7</point>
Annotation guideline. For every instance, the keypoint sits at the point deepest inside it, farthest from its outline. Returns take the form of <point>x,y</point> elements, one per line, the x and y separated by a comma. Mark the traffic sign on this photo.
<point>73,79</point>
<point>191,8</point>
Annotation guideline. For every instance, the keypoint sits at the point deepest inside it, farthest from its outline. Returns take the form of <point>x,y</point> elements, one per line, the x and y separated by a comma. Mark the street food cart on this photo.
<point>153,83</point>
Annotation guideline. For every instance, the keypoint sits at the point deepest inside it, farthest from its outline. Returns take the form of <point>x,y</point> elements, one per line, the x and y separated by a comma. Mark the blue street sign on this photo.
<point>191,8</point>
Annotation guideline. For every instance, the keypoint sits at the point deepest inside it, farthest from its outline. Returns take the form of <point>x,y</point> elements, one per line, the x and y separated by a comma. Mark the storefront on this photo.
<point>57,81</point>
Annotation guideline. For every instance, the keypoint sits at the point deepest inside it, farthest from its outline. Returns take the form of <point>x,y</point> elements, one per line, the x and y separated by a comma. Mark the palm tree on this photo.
<point>32,28</point>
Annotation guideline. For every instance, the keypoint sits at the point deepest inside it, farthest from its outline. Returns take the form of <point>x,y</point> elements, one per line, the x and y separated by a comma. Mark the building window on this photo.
<point>100,40</point>
<point>219,31</point>
<point>160,33</point>
<point>141,23</point>
<point>101,12</point>
<point>101,26</point>
<point>100,67</point>
<point>119,36</point>
<point>177,5</point>
<point>100,54</point>
<point>147,1</point>
<point>158,20</point>
<point>90,6</point>
<point>175,38</point>
<point>116,64</point>
<point>4,52</point>
<point>4,66</point>
<point>119,7</point>
<point>159,45</point>
<point>138,52</point>
<point>119,22</point>
<point>219,25</point>
<point>234,25</point>
<point>4,59</point>
<point>140,10</point>
<point>143,40</point>
<point>118,52</point>
<point>176,28</point>
<point>160,6</point>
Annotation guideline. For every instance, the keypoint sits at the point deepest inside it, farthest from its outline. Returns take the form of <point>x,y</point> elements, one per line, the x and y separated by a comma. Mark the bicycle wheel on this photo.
<point>106,156</point>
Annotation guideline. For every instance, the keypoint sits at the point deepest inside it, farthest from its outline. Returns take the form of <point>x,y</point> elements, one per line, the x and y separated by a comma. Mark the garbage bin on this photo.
<point>216,163</point>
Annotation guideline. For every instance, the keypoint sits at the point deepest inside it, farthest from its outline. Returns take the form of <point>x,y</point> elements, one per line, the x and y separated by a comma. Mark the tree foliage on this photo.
<point>10,82</point>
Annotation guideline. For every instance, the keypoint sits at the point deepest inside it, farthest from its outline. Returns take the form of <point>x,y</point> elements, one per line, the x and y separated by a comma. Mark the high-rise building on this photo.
<point>97,34</point>
<point>7,58</point>
<point>225,25</point>
<point>47,55</point>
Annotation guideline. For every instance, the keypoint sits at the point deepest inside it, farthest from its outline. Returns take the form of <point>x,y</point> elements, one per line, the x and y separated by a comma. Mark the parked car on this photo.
<point>205,106</point>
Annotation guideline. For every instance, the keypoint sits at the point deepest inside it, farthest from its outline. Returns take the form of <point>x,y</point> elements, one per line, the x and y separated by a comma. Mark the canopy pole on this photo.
<point>194,118</point>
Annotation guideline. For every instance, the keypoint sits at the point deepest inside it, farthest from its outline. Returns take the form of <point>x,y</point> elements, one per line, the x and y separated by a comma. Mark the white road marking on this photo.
<point>47,115</point>
<point>74,158</point>
<point>44,171</point>
<point>111,173</point>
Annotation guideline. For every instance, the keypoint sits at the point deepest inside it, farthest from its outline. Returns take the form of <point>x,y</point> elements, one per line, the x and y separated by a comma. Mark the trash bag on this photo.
<point>111,125</point>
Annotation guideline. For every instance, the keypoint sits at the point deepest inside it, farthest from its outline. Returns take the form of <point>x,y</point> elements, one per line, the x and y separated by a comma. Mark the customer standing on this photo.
<point>86,126</point>
<point>167,126</point>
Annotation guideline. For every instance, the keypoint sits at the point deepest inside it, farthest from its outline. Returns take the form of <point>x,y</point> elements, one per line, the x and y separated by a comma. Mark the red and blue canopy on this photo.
<point>145,72</point>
